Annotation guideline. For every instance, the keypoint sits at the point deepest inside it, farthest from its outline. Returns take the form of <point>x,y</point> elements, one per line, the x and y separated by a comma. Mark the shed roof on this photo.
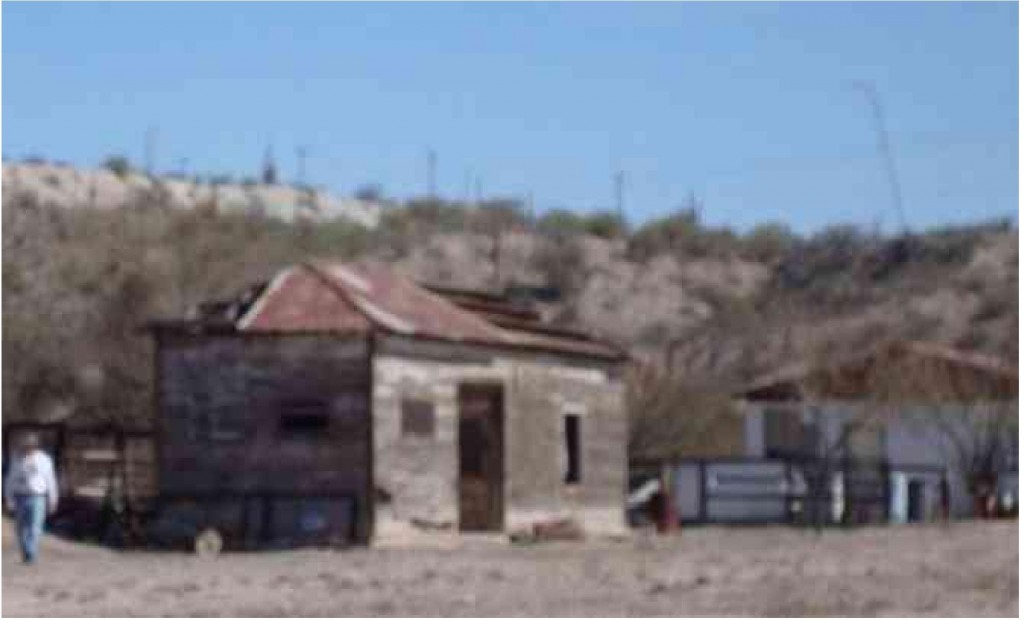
<point>893,369</point>
<point>330,297</point>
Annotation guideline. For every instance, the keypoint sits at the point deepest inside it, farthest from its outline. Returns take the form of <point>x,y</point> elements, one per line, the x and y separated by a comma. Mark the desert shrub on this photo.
<point>560,260</point>
<point>826,254</point>
<point>669,234</point>
<point>606,225</point>
<point>118,164</point>
<point>683,235</point>
<point>768,242</point>
<point>496,215</point>
<point>560,222</point>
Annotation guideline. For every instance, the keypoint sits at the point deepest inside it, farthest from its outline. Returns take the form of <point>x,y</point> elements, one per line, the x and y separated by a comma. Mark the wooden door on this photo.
<point>481,458</point>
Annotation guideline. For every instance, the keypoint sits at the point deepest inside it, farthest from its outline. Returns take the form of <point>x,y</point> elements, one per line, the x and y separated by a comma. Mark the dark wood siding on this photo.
<point>266,416</point>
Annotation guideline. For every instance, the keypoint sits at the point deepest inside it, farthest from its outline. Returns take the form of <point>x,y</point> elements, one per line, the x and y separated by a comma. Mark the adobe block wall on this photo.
<point>417,477</point>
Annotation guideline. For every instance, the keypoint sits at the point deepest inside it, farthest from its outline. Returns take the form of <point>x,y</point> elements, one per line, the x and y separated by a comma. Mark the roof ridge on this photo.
<point>254,309</point>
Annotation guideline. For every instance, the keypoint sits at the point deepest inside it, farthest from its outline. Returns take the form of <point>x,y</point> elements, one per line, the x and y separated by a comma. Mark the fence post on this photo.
<point>886,471</point>
<point>669,516</point>
<point>702,474</point>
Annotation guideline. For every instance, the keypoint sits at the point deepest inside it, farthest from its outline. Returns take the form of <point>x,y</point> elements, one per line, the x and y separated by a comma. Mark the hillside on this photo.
<point>710,306</point>
<point>726,318</point>
<point>68,187</point>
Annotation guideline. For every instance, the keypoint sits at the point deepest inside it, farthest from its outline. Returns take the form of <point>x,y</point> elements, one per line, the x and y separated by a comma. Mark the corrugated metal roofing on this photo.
<point>359,297</point>
<point>297,300</point>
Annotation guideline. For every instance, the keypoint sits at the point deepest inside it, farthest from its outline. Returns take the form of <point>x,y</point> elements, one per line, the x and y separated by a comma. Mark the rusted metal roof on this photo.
<point>297,300</point>
<point>362,297</point>
<point>848,376</point>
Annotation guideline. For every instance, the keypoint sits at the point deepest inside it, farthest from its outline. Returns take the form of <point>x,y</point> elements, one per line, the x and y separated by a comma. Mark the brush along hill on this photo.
<point>711,304</point>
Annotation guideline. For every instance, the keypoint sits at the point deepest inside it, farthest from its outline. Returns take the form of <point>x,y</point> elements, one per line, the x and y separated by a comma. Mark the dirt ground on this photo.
<point>966,569</point>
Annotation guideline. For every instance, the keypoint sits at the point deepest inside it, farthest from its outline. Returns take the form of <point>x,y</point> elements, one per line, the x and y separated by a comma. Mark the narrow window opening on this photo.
<point>571,429</point>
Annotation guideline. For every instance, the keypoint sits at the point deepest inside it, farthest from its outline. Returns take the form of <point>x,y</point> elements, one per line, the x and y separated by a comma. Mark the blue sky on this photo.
<point>749,106</point>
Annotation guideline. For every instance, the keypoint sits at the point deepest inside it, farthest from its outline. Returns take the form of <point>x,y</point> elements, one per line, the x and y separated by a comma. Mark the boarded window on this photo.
<point>303,419</point>
<point>418,418</point>
<point>571,433</point>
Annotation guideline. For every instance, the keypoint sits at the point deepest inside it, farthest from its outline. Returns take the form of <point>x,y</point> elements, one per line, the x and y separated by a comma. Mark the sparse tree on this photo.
<point>967,407</point>
<point>673,415</point>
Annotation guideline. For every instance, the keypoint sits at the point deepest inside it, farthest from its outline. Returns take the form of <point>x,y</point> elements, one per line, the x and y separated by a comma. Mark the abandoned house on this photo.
<point>344,402</point>
<point>877,436</point>
<point>908,426</point>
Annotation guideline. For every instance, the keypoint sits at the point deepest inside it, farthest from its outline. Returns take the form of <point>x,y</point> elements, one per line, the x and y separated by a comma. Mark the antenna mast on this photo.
<point>432,173</point>
<point>620,182</point>
<point>885,152</point>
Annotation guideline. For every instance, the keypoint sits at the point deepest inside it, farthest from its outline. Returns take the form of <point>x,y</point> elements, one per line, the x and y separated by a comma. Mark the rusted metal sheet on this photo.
<point>358,298</point>
<point>297,300</point>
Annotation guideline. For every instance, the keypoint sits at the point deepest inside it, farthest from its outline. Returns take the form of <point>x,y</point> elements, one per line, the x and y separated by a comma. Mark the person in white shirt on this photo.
<point>30,492</point>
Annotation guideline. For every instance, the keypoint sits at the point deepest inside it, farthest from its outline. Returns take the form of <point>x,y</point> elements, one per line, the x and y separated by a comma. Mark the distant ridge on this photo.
<point>69,187</point>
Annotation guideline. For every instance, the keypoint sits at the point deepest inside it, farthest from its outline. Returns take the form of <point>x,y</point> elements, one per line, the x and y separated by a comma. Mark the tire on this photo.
<point>208,542</point>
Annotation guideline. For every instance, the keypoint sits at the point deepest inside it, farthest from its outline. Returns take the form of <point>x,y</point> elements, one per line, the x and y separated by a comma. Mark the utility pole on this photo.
<point>268,175</point>
<point>431,173</point>
<point>479,196</point>
<point>884,150</point>
<point>620,182</point>
<point>150,149</point>
<point>467,189</point>
<point>302,152</point>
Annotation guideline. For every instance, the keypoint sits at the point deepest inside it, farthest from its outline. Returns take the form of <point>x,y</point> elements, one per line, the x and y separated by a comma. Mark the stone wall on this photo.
<point>417,477</point>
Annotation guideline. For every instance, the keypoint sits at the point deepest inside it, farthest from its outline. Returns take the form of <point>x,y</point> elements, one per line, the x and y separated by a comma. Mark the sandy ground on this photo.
<point>964,569</point>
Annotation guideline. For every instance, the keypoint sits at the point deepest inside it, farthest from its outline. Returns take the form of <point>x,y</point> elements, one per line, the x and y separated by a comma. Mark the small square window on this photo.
<point>417,418</point>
